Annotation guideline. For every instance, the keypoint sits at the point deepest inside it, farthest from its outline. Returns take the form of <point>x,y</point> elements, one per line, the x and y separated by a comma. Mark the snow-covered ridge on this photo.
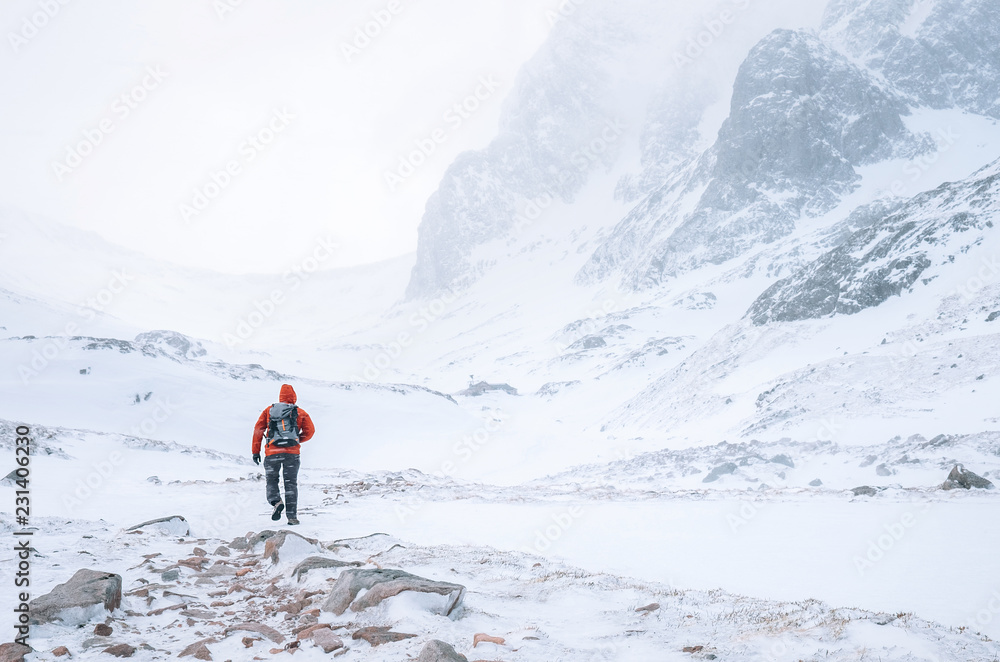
<point>888,257</point>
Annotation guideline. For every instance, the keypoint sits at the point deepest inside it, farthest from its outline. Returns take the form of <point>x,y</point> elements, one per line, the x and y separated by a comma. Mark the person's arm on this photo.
<point>306,427</point>
<point>258,431</point>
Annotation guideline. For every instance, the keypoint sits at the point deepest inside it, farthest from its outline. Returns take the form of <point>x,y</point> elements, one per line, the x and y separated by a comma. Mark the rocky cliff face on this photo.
<point>809,110</point>
<point>937,53</point>
<point>557,108</point>
<point>802,119</point>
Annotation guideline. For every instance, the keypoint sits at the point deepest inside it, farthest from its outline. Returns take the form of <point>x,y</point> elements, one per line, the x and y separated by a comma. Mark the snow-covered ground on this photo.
<point>749,571</point>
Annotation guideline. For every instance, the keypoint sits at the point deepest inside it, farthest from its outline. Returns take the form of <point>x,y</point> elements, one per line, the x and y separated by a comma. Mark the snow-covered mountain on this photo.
<point>678,287</point>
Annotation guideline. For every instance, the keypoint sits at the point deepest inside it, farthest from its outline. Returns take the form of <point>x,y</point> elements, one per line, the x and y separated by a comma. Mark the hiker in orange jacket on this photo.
<point>285,427</point>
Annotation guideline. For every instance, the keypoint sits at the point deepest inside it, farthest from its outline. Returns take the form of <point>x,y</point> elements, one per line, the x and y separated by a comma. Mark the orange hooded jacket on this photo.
<point>306,427</point>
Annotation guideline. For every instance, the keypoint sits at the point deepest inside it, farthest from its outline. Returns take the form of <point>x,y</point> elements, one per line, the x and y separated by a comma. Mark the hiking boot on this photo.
<point>292,521</point>
<point>278,509</point>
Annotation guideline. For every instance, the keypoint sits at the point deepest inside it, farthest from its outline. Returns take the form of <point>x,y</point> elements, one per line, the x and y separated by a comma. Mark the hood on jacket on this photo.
<point>287,394</point>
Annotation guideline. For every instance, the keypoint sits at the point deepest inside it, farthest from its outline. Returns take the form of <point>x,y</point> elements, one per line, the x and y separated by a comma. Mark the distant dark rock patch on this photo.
<point>480,388</point>
<point>719,471</point>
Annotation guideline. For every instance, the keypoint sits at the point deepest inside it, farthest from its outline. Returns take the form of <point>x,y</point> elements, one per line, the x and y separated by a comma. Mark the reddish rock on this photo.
<point>13,652</point>
<point>482,638</point>
<point>268,632</point>
<point>327,640</point>
<point>103,630</point>
<point>120,650</point>
<point>376,636</point>
<point>199,649</point>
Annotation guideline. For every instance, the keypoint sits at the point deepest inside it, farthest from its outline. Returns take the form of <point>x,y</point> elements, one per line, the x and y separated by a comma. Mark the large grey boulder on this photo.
<point>86,592</point>
<point>439,651</point>
<point>320,562</point>
<point>380,585</point>
<point>961,478</point>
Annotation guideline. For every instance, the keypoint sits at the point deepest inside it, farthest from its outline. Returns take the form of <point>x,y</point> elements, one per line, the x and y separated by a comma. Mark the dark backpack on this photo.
<point>283,426</point>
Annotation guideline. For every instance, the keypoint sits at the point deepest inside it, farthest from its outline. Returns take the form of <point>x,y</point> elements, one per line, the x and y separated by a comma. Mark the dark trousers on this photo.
<point>288,464</point>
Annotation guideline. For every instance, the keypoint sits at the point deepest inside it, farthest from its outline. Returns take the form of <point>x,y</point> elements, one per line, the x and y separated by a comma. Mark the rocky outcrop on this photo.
<point>890,256</point>
<point>171,342</point>
<point>962,478</point>
<point>86,593</point>
<point>942,54</point>
<point>380,585</point>
<point>803,118</point>
<point>557,126</point>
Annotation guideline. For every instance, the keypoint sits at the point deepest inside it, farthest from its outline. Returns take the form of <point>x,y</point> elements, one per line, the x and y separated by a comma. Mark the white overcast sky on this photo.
<point>223,80</point>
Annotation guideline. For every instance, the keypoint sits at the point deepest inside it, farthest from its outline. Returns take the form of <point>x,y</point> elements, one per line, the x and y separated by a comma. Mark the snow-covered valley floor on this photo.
<point>782,573</point>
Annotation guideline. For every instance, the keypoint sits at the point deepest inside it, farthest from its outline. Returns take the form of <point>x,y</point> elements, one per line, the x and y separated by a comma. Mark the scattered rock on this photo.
<point>155,480</point>
<point>307,631</point>
<point>60,651</point>
<point>864,490</point>
<point>288,544</point>
<point>199,649</point>
<point>376,636</point>
<point>483,638</point>
<point>783,459</point>
<point>268,632</point>
<point>87,591</point>
<point>103,630</point>
<point>692,649</point>
<point>439,651</point>
<point>171,575</point>
<point>815,483</point>
<point>220,570</point>
<point>883,470</point>
<point>649,608</point>
<point>868,461</point>
<point>14,652</point>
<point>222,550</point>
<point>175,525</point>
<point>327,640</point>
<point>961,478</point>
<point>239,544</point>
<point>254,539</point>
<point>993,316</point>
<point>120,650</point>
<point>319,562</point>
<point>382,584</point>
<point>718,472</point>
<point>198,551</point>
